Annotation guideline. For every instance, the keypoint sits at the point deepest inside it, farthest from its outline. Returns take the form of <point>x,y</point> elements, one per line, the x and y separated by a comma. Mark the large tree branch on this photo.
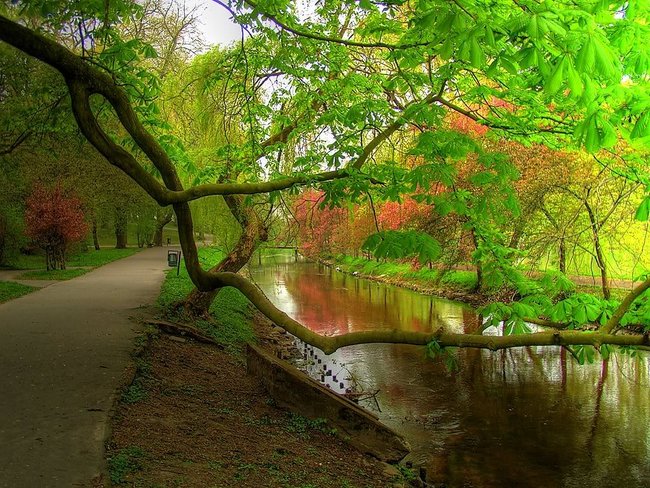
<point>492,125</point>
<point>329,344</point>
<point>84,80</point>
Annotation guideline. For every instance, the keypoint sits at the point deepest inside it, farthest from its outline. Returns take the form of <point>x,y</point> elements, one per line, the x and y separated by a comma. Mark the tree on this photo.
<point>54,220</point>
<point>361,73</point>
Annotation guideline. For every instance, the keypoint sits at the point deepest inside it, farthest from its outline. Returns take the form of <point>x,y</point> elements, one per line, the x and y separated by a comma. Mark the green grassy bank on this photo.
<point>231,311</point>
<point>457,284</point>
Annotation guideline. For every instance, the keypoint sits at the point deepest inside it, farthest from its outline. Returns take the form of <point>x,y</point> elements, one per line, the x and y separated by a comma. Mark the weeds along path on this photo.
<point>63,351</point>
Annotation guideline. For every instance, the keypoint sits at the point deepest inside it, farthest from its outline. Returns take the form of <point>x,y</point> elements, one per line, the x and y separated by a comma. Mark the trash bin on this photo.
<point>173,258</point>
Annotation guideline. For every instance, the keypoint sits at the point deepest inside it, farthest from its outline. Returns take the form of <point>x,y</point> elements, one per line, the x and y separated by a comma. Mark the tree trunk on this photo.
<point>197,303</point>
<point>479,267</point>
<point>3,237</point>
<point>516,236</point>
<point>162,219</point>
<point>562,255</point>
<point>600,259</point>
<point>121,225</point>
<point>55,256</point>
<point>95,238</point>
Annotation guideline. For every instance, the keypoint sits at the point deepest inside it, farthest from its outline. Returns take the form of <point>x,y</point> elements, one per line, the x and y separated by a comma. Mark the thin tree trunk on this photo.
<point>562,255</point>
<point>121,225</point>
<point>600,259</point>
<point>95,238</point>
<point>479,268</point>
<point>162,219</point>
<point>516,236</point>
<point>3,236</point>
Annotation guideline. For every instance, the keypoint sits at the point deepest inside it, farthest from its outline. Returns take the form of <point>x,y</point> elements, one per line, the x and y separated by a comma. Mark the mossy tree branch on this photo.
<point>329,344</point>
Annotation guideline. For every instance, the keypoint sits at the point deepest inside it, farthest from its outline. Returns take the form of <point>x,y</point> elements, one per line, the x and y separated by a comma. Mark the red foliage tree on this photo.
<point>402,215</point>
<point>54,220</point>
<point>319,227</point>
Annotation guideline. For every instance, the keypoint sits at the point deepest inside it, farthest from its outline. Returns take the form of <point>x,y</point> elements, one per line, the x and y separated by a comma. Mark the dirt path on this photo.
<point>63,350</point>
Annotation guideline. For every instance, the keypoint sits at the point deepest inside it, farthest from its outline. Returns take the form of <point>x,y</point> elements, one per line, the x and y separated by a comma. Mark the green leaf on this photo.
<point>554,83</point>
<point>447,48</point>
<point>642,126</point>
<point>605,351</point>
<point>592,139</point>
<point>489,36</point>
<point>533,27</point>
<point>586,57</point>
<point>477,56</point>
<point>575,83</point>
<point>643,212</point>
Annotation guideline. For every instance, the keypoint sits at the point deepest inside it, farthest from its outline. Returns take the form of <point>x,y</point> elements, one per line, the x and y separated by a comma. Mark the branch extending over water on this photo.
<point>329,344</point>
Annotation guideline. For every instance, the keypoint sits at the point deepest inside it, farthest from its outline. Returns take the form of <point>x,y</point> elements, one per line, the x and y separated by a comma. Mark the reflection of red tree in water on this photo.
<point>347,304</point>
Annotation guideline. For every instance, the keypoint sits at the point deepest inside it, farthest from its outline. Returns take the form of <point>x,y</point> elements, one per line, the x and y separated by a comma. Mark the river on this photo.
<point>527,417</point>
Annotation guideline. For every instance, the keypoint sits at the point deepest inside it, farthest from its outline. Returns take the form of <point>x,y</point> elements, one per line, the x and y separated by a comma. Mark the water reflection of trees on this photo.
<point>518,417</point>
<point>349,304</point>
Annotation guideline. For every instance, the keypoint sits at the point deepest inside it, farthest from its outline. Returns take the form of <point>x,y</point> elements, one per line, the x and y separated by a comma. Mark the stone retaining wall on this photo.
<point>294,390</point>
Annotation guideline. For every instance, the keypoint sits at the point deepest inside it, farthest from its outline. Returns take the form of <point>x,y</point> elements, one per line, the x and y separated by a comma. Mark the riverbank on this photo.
<point>457,285</point>
<point>192,417</point>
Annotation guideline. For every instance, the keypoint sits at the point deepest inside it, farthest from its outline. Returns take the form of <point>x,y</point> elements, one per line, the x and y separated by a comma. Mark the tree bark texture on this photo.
<point>121,228</point>
<point>600,258</point>
<point>197,303</point>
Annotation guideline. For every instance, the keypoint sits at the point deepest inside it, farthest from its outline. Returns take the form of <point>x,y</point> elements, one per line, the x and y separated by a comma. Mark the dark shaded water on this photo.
<point>528,417</point>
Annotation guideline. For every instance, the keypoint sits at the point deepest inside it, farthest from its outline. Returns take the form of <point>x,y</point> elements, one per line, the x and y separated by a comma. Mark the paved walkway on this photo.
<point>63,350</point>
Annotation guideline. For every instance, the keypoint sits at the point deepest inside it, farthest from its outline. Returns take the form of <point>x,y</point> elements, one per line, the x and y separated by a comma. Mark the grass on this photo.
<point>299,425</point>
<point>55,274</point>
<point>461,280</point>
<point>456,279</point>
<point>135,392</point>
<point>10,290</point>
<point>232,312</point>
<point>89,260</point>
<point>95,259</point>
<point>124,462</point>
<point>618,294</point>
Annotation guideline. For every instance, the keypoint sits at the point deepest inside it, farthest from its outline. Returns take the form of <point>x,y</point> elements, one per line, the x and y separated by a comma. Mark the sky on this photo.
<point>216,25</point>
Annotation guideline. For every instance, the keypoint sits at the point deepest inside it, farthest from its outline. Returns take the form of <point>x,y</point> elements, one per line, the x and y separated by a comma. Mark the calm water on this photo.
<point>527,417</point>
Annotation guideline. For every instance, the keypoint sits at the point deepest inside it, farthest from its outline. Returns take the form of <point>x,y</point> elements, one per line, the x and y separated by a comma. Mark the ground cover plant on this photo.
<point>10,290</point>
